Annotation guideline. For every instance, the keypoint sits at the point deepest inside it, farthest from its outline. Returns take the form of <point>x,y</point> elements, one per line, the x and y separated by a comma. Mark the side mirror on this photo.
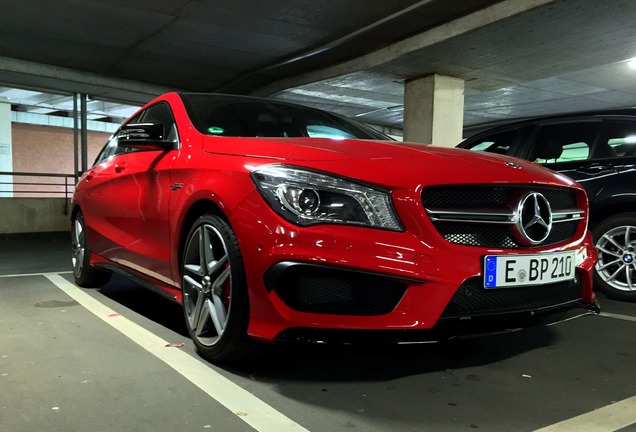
<point>148,136</point>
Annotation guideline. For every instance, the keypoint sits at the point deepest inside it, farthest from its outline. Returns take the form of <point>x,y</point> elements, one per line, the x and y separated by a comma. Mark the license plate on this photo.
<point>520,270</point>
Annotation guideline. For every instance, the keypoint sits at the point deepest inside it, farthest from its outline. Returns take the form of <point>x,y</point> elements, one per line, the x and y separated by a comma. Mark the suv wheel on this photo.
<point>615,272</point>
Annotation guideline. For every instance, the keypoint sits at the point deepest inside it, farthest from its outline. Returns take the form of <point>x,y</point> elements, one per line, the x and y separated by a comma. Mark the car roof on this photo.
<point>489,127</point>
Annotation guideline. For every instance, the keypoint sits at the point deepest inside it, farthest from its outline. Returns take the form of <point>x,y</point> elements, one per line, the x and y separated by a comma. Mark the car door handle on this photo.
<point>119,167</point>
<point>90,175</point>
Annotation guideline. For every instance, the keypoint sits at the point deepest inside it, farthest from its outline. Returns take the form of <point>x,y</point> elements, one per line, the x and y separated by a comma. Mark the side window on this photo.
<point>111,148</point>
<point>618,139</point>
<point>564,142</point>
<point>499,143</point>
<point>161,113</point>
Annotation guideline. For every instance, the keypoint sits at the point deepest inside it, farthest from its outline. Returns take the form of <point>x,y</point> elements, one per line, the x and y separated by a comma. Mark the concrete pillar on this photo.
<point>6,150</point>
<point>84,130</point>
<point>434,110</point>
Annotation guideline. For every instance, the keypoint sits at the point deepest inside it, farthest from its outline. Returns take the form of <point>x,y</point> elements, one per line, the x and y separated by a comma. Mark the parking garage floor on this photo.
<point>119,359</point>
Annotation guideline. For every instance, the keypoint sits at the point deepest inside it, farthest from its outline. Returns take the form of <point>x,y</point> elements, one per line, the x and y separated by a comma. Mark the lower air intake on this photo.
<point>325,290</point>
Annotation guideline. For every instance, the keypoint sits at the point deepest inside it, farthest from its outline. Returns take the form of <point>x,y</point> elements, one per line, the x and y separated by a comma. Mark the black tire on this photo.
<point>85,275</point>
<point>215,299</point>
<point>615,271</point>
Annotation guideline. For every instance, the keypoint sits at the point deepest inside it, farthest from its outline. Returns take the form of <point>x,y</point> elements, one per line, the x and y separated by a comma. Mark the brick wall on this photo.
<point>49,149</point>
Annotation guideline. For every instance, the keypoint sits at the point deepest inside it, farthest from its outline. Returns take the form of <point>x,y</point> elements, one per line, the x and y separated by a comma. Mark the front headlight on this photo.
<point>307,197</point>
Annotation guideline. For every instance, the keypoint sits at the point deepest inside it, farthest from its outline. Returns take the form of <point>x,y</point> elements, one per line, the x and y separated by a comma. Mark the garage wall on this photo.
<point>42,149</point>
<point>33,215</point>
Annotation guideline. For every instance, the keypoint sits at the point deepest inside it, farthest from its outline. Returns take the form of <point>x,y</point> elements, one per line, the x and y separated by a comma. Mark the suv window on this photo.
<point>618,139</point>
<point>499,143</point>
<point>564,142</point>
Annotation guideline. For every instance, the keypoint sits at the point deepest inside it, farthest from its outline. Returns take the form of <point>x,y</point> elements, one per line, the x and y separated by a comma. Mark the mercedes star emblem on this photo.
<point>534,219</point>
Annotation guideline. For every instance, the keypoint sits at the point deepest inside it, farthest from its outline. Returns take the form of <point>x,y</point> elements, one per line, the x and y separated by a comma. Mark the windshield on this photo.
<point>239,116</point>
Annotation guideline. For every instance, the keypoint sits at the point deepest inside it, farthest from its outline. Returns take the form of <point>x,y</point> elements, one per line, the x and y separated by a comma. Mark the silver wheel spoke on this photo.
<point>611,263</point>
<point>193,269</point>
<point>80,259</point>
<point>217,265</point>
<point>219,315</point>
<point>628,277</point>
<point>193,300</point>
<point>616,254</point>
<point>78,232</point>
<point>616,273</point>
<point>627,235</point>
<point>206,311</point>
<point>193,285</point>
<point>219,311</point>
<point>221,280</point>
<point>204,242</point>
<point>612,241</point>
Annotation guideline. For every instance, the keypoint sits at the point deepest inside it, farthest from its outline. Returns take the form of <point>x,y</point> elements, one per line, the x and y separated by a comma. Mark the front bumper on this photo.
<point>333,278</point>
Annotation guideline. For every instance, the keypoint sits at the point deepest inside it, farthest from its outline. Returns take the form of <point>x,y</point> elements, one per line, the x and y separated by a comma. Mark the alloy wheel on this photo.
<point>78,247</point>
<point>207,285</point>
<point>617,258</point>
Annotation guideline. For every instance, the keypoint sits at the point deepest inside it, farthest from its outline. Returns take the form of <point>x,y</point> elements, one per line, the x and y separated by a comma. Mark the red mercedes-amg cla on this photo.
<point>272,222</point>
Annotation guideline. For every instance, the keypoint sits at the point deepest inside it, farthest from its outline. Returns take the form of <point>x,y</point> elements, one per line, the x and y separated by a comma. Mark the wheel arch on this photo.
<point>599,214</point>
<point>74,211</point>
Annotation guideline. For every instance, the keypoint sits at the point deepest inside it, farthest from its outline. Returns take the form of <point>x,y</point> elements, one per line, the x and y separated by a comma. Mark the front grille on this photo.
<point>490,203</point>
<point>324,290</point>
<point>472,299</point>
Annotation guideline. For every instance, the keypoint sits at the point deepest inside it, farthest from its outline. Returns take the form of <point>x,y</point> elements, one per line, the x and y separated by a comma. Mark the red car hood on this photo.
<point>387,163</point>
<point>304,149</point>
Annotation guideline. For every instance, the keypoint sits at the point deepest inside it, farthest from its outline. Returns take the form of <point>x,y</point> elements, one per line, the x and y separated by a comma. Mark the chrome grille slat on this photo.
<point>495,217</point>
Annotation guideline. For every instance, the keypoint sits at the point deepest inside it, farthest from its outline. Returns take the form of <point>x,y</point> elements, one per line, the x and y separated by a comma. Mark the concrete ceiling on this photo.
<point>518,58</point>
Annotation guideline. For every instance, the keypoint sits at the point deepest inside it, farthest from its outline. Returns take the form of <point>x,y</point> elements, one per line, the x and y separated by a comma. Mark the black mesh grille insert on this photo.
<point>472,299</point>
<point>322,290</point>
<point>494,197</point>
<point>490,197</point>
<point>497,235</point>
<point>476,234</point>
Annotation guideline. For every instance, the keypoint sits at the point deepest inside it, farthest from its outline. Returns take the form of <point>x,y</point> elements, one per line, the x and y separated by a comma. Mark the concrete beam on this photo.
<point>127,91</point>
<point>480,18</point>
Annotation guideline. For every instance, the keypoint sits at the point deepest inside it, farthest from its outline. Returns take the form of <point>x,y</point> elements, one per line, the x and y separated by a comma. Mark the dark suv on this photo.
<point>598,150</point>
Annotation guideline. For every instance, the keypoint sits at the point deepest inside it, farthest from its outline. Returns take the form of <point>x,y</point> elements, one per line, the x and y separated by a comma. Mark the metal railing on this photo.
<point>37,185</point>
